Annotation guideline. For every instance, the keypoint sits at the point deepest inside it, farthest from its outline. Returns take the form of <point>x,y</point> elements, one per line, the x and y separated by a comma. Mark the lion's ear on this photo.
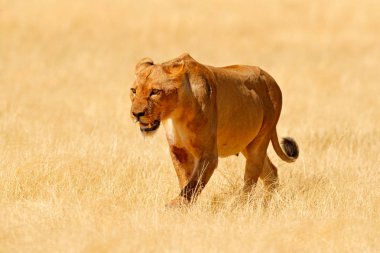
<point>174,67</point>
<point>143,64</point>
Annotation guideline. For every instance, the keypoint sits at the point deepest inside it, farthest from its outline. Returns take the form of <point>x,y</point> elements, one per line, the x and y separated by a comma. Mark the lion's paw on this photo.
<point>178,202</point>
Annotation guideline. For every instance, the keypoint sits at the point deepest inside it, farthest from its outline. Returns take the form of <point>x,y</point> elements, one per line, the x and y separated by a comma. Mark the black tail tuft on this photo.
<point>290,147</point>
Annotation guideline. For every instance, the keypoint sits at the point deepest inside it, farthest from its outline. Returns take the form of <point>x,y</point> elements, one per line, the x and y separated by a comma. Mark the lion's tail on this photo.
<point>289,151</point>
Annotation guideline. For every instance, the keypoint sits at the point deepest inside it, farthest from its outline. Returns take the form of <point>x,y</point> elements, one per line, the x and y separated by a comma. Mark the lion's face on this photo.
<point>154,95</point>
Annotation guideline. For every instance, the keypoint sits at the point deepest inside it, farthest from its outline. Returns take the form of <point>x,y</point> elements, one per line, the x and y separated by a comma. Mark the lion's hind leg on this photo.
<point>255,153</point>
<point>269,175</point>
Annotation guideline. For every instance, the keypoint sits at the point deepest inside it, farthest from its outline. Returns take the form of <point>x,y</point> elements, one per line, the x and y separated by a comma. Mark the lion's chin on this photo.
<point>149,129</point>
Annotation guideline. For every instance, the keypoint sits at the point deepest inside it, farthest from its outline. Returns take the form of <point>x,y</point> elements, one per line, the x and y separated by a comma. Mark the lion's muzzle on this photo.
<point>137,115</point>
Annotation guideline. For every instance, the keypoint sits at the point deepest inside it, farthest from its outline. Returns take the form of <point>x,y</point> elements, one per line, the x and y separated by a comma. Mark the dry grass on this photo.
<point>76,175</point>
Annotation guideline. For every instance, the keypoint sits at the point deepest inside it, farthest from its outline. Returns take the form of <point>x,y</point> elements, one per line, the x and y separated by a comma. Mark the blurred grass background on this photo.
<point>77,176</point>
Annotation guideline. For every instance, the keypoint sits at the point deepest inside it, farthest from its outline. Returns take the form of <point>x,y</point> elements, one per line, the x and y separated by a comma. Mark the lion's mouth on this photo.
<point>148,127</point>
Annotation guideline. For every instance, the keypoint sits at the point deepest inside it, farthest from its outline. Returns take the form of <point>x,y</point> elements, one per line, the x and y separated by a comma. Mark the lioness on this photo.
<point>209,112</point>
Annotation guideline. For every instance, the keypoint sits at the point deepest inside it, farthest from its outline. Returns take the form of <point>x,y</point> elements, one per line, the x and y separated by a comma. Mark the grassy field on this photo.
<point>77,176</point>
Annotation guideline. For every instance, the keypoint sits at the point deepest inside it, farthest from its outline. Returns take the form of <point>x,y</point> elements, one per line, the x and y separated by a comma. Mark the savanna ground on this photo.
<point>77,176</point>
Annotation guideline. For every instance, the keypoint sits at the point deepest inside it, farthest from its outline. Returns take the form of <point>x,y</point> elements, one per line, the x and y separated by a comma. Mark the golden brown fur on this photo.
<point>211,112</point>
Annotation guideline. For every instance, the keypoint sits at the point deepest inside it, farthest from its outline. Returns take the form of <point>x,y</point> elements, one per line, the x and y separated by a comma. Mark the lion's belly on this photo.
<point>233,141</point>
<point>239,121</point>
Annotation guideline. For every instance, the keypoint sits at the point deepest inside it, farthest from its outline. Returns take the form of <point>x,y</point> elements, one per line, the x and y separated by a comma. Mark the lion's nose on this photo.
<point>138,114</point>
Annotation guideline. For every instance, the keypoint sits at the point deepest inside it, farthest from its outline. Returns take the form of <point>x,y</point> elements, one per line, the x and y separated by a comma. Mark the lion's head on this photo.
<point>155,92</point>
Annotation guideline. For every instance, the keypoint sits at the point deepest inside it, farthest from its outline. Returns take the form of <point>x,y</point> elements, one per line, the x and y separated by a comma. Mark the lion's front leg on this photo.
<point>183,162</point>
<point>192,184</point>
<point>196,128</point>
<point>203,170</point>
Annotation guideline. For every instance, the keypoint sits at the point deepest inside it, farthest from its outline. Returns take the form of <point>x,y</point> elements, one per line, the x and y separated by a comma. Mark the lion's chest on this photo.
<point>171,132</point>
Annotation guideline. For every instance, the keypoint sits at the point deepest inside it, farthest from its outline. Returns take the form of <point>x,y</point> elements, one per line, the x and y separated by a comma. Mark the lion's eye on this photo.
<point>155,92</point>
<point>133,90</point>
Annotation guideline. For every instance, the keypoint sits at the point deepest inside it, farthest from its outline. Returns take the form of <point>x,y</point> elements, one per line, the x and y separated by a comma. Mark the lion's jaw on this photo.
<point>149,128</point>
